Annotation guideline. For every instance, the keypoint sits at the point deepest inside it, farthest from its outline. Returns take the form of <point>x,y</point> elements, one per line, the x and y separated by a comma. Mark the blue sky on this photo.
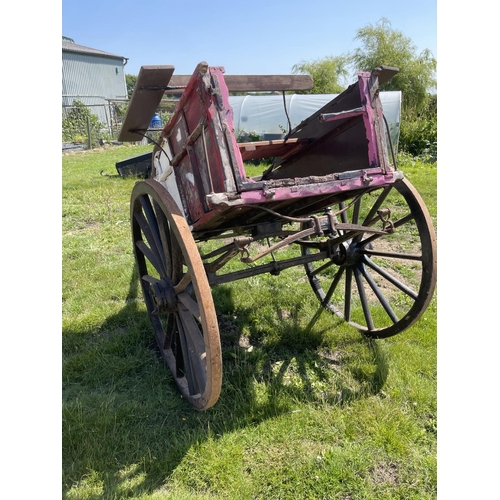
<point>259,37</point>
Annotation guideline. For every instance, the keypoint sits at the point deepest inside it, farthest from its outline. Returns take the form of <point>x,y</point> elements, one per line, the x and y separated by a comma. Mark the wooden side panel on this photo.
<point>194,110</point>
<point>188,184</point>
<point>202,166</point>
<point>197,134</point>
<point>179,134</point>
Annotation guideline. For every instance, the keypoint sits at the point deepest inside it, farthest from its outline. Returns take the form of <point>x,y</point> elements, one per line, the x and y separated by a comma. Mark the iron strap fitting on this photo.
<point>385,217</point>
<point>226,253</point>
<point>317,225</point>
<point>283,243</point>
<point>242,243</point>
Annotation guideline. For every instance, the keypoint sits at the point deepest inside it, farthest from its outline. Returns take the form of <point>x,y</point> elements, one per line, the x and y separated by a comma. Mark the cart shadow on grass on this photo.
<point>289,367</point>
<point>263,378</point>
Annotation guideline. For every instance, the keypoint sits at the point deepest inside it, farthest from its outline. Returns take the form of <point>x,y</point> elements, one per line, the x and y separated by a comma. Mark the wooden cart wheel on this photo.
<point>177,293</point>
<point>380,284</point>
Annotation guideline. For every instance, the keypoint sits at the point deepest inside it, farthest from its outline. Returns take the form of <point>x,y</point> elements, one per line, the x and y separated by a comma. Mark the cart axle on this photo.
<point>162,293</point>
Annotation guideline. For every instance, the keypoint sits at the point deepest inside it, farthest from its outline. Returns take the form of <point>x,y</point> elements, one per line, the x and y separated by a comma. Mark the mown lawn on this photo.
<point>325,414</point>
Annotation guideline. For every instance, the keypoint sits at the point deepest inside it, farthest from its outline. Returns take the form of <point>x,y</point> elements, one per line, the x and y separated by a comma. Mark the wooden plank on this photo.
<point>149,89</point>
<point>252,83</point>
<point>269,149</point>
<point>153,81</point>
<point>384,73</point>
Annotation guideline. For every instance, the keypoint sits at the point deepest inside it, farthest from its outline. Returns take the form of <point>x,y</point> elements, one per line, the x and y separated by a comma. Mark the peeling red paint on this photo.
<point>346,152</point>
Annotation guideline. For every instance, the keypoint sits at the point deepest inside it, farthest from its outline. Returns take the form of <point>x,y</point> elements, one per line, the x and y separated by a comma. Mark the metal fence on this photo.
<point>91,121</point>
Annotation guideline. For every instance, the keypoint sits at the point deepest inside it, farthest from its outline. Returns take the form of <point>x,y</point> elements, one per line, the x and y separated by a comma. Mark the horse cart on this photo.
<point>332,192</point>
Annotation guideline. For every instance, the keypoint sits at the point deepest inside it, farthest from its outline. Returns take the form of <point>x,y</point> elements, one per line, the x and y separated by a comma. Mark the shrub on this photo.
<point>418,135</point>
<point>75,125</point>
<point>244,136</point>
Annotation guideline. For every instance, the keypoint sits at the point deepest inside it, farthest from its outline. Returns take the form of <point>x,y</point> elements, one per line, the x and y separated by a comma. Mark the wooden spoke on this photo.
<point>387,279</point>
<point>177,294</point>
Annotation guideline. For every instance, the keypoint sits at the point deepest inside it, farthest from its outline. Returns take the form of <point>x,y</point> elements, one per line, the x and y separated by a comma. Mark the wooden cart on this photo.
<point>333,192</point>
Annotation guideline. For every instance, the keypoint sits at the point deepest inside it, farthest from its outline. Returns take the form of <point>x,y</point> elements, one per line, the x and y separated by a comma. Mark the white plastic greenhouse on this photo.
<point>264,115</point>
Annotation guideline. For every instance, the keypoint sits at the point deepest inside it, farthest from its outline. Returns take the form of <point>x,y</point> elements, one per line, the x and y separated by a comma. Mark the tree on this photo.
<point>130,80</point>
<point>382,45</point>
<point>326,74</point>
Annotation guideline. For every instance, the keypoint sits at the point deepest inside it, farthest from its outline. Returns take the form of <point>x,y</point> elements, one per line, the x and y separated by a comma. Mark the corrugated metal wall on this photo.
<point>93,78</point>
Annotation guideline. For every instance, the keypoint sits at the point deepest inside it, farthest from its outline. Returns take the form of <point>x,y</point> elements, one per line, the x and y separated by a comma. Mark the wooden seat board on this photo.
<point>253,83</point>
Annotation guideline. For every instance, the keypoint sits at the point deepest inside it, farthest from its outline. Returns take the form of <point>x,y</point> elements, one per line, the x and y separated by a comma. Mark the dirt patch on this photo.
<point>385,474</point>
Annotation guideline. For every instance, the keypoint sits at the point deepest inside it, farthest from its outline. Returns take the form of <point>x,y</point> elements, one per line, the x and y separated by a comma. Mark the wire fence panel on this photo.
<point>91,121</point>
<point>91,124</point>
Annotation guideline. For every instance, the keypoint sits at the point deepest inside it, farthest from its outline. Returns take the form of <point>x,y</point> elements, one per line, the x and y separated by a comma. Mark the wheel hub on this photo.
<point>347,253</point>
<point>163,294</point>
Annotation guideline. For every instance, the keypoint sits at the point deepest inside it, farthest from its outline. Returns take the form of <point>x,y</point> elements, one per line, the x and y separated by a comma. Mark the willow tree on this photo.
<point>383,45</point>
<point>328,74</point>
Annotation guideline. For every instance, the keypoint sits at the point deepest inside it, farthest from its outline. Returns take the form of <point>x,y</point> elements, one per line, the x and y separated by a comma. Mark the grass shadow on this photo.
<point>295,363</point>
<point>125,426</point>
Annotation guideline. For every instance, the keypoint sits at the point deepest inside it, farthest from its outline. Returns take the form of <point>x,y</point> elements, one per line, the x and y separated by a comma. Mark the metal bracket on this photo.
<point>385,217</point>
<point>283,243</point>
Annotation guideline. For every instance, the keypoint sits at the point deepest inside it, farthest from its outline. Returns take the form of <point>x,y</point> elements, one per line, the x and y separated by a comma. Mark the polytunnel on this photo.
<point>265,116</point>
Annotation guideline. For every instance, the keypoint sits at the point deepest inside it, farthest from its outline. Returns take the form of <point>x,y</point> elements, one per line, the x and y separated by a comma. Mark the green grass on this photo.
<point>303,414</point>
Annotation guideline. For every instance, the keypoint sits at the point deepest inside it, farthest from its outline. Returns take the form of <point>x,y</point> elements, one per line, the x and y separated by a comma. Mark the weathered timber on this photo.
<point>154,81</point>
<point>149,90</point>
<point>266,149</point>
<point>253,83</point>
